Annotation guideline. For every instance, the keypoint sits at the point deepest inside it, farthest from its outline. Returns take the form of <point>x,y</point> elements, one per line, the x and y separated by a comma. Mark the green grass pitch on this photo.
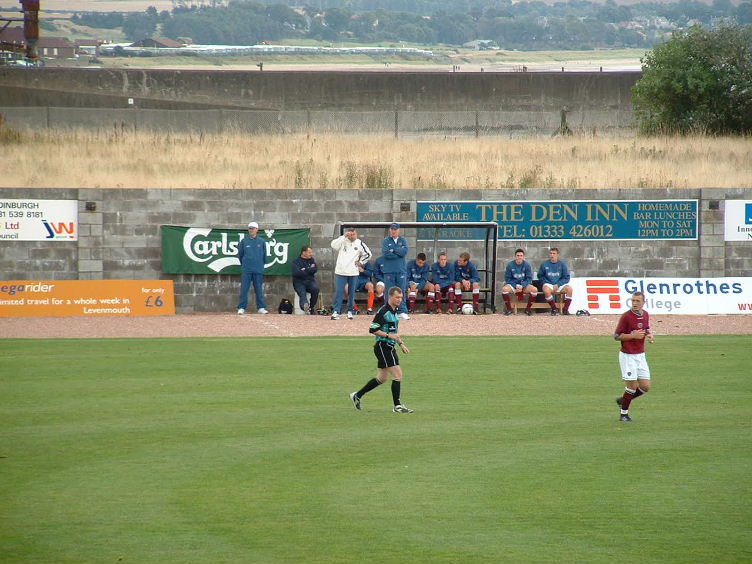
<point>249,451</point>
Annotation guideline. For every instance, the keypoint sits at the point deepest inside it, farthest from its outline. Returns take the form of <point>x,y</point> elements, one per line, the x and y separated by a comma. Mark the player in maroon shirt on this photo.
<point>633,328</point>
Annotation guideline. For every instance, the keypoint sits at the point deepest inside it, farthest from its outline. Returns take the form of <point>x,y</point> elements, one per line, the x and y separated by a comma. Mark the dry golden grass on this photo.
<point>89,159</point>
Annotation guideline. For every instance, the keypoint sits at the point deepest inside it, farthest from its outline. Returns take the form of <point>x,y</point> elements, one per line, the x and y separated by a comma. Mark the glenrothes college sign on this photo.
<point>693,296</point>
<point>203,250</point>
<point>571,219</point>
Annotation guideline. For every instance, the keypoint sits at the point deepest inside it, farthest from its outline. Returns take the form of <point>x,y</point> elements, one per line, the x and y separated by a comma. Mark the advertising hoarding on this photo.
<point>570,220</point>
<point>203,250</point>
<point>38,220</point>
<point>90,298</point>
<point>691,296</point>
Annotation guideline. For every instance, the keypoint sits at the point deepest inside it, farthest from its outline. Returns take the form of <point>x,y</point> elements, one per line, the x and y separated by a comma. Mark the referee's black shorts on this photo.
<point>385,354</point>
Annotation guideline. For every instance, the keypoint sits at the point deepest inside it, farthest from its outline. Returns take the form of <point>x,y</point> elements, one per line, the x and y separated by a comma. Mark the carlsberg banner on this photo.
<point>202,250</point>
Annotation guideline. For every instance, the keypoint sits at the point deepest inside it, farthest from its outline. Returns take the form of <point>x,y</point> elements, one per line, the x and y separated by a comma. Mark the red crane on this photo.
<point>30,9</point>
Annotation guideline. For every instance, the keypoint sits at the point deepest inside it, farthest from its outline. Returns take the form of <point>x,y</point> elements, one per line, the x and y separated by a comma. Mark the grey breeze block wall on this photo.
<point>121,239</point>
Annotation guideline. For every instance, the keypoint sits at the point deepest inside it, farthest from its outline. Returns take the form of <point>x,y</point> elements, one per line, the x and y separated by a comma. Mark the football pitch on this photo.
<point>249,451</point>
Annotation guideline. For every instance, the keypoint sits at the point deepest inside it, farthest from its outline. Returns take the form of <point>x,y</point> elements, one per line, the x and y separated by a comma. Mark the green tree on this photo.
<point>139,26</point>
<point>698,81</point>
<point>337,19</point>
<point>744,13</point>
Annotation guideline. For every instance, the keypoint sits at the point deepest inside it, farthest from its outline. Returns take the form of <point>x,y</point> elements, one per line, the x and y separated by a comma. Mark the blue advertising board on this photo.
<point>570,220</point>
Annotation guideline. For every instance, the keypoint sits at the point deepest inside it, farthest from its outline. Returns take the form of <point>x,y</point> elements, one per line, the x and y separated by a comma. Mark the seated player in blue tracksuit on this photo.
<point>417,281</point>
<point>554,277</point>
<point>467,279</point>
<point>442,277</point>
<point>365,283</point>
<point>518,278</point>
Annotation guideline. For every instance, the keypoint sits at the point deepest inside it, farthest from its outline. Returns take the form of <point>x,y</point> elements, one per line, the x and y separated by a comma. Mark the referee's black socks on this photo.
<point>370,385</point>
<point>396,386</point>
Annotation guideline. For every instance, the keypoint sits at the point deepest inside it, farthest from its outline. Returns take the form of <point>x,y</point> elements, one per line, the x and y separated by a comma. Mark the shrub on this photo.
<point>699,81</point>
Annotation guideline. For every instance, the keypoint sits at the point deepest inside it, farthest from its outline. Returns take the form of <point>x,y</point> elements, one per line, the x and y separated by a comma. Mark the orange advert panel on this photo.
<point>65,298</point>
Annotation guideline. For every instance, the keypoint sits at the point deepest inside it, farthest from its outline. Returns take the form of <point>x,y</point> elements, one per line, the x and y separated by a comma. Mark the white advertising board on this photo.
<point>38,220</point>
<point>691,296</point>
<point>738,220</point>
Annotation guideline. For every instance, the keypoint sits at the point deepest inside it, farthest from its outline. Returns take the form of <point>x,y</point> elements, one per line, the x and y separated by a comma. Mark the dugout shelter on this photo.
<point>480,239</point>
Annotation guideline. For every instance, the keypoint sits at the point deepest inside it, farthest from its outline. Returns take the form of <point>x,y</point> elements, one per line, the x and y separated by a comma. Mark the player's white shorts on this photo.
<point>551,287</point>
<point>634,366</point>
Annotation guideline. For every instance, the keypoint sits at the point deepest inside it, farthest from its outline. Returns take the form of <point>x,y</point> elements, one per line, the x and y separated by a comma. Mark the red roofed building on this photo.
<point>51,47</point>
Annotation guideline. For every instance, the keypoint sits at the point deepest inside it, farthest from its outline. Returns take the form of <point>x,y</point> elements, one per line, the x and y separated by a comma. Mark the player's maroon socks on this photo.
<point>438,300</point>
<point>567,302</point>
<point>450,300</point>
<point>476,301</point>
<point>520,296</point>
<point>411,298</point>
<point>458,299</point>
<point>531,300</point>
<point>552,303</point>
<point>627,398</point>
<point>507,300</point>
<point>429,301</point>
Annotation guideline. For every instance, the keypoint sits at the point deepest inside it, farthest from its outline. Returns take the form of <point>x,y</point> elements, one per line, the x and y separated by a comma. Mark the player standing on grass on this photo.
<point>633,327</point>
<point>384,327</point>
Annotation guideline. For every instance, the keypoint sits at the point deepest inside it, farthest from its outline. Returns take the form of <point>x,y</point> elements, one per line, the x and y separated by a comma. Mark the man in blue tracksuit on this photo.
<point>467,280</point>
<point>554,277</point>
<point>442,276</point>
<point>304,279</point>
<point>252,256</point>
<point>394,250</point>
<point>417,281</point>
<point>518,279</point>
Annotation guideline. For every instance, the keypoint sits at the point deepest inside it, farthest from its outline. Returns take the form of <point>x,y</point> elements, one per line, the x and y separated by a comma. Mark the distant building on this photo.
<point>56,48</point>
<point>158,43</point>
<point>481,44</point>
<point>88,46</point>
<point>47,47</point>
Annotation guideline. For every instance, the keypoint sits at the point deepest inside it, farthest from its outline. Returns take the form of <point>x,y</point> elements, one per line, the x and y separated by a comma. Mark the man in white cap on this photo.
<point>252,255</point>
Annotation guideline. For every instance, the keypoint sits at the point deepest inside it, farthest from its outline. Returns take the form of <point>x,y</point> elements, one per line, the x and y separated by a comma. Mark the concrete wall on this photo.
<point>399,122</point>
<point>375,91</point>
<point>121,238</point>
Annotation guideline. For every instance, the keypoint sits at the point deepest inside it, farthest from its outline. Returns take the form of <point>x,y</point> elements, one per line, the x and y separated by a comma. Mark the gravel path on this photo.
<point>232,325</point>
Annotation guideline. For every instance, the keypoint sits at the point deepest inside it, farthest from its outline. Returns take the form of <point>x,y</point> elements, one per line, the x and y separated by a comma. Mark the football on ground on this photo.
<point>467,309</point>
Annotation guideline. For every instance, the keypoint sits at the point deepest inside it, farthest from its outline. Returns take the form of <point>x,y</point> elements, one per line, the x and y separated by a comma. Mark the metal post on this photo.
<point>396,123</point>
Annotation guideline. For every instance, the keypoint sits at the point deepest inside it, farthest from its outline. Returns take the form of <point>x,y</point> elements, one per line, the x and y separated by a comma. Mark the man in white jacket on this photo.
<point>351,253</point>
